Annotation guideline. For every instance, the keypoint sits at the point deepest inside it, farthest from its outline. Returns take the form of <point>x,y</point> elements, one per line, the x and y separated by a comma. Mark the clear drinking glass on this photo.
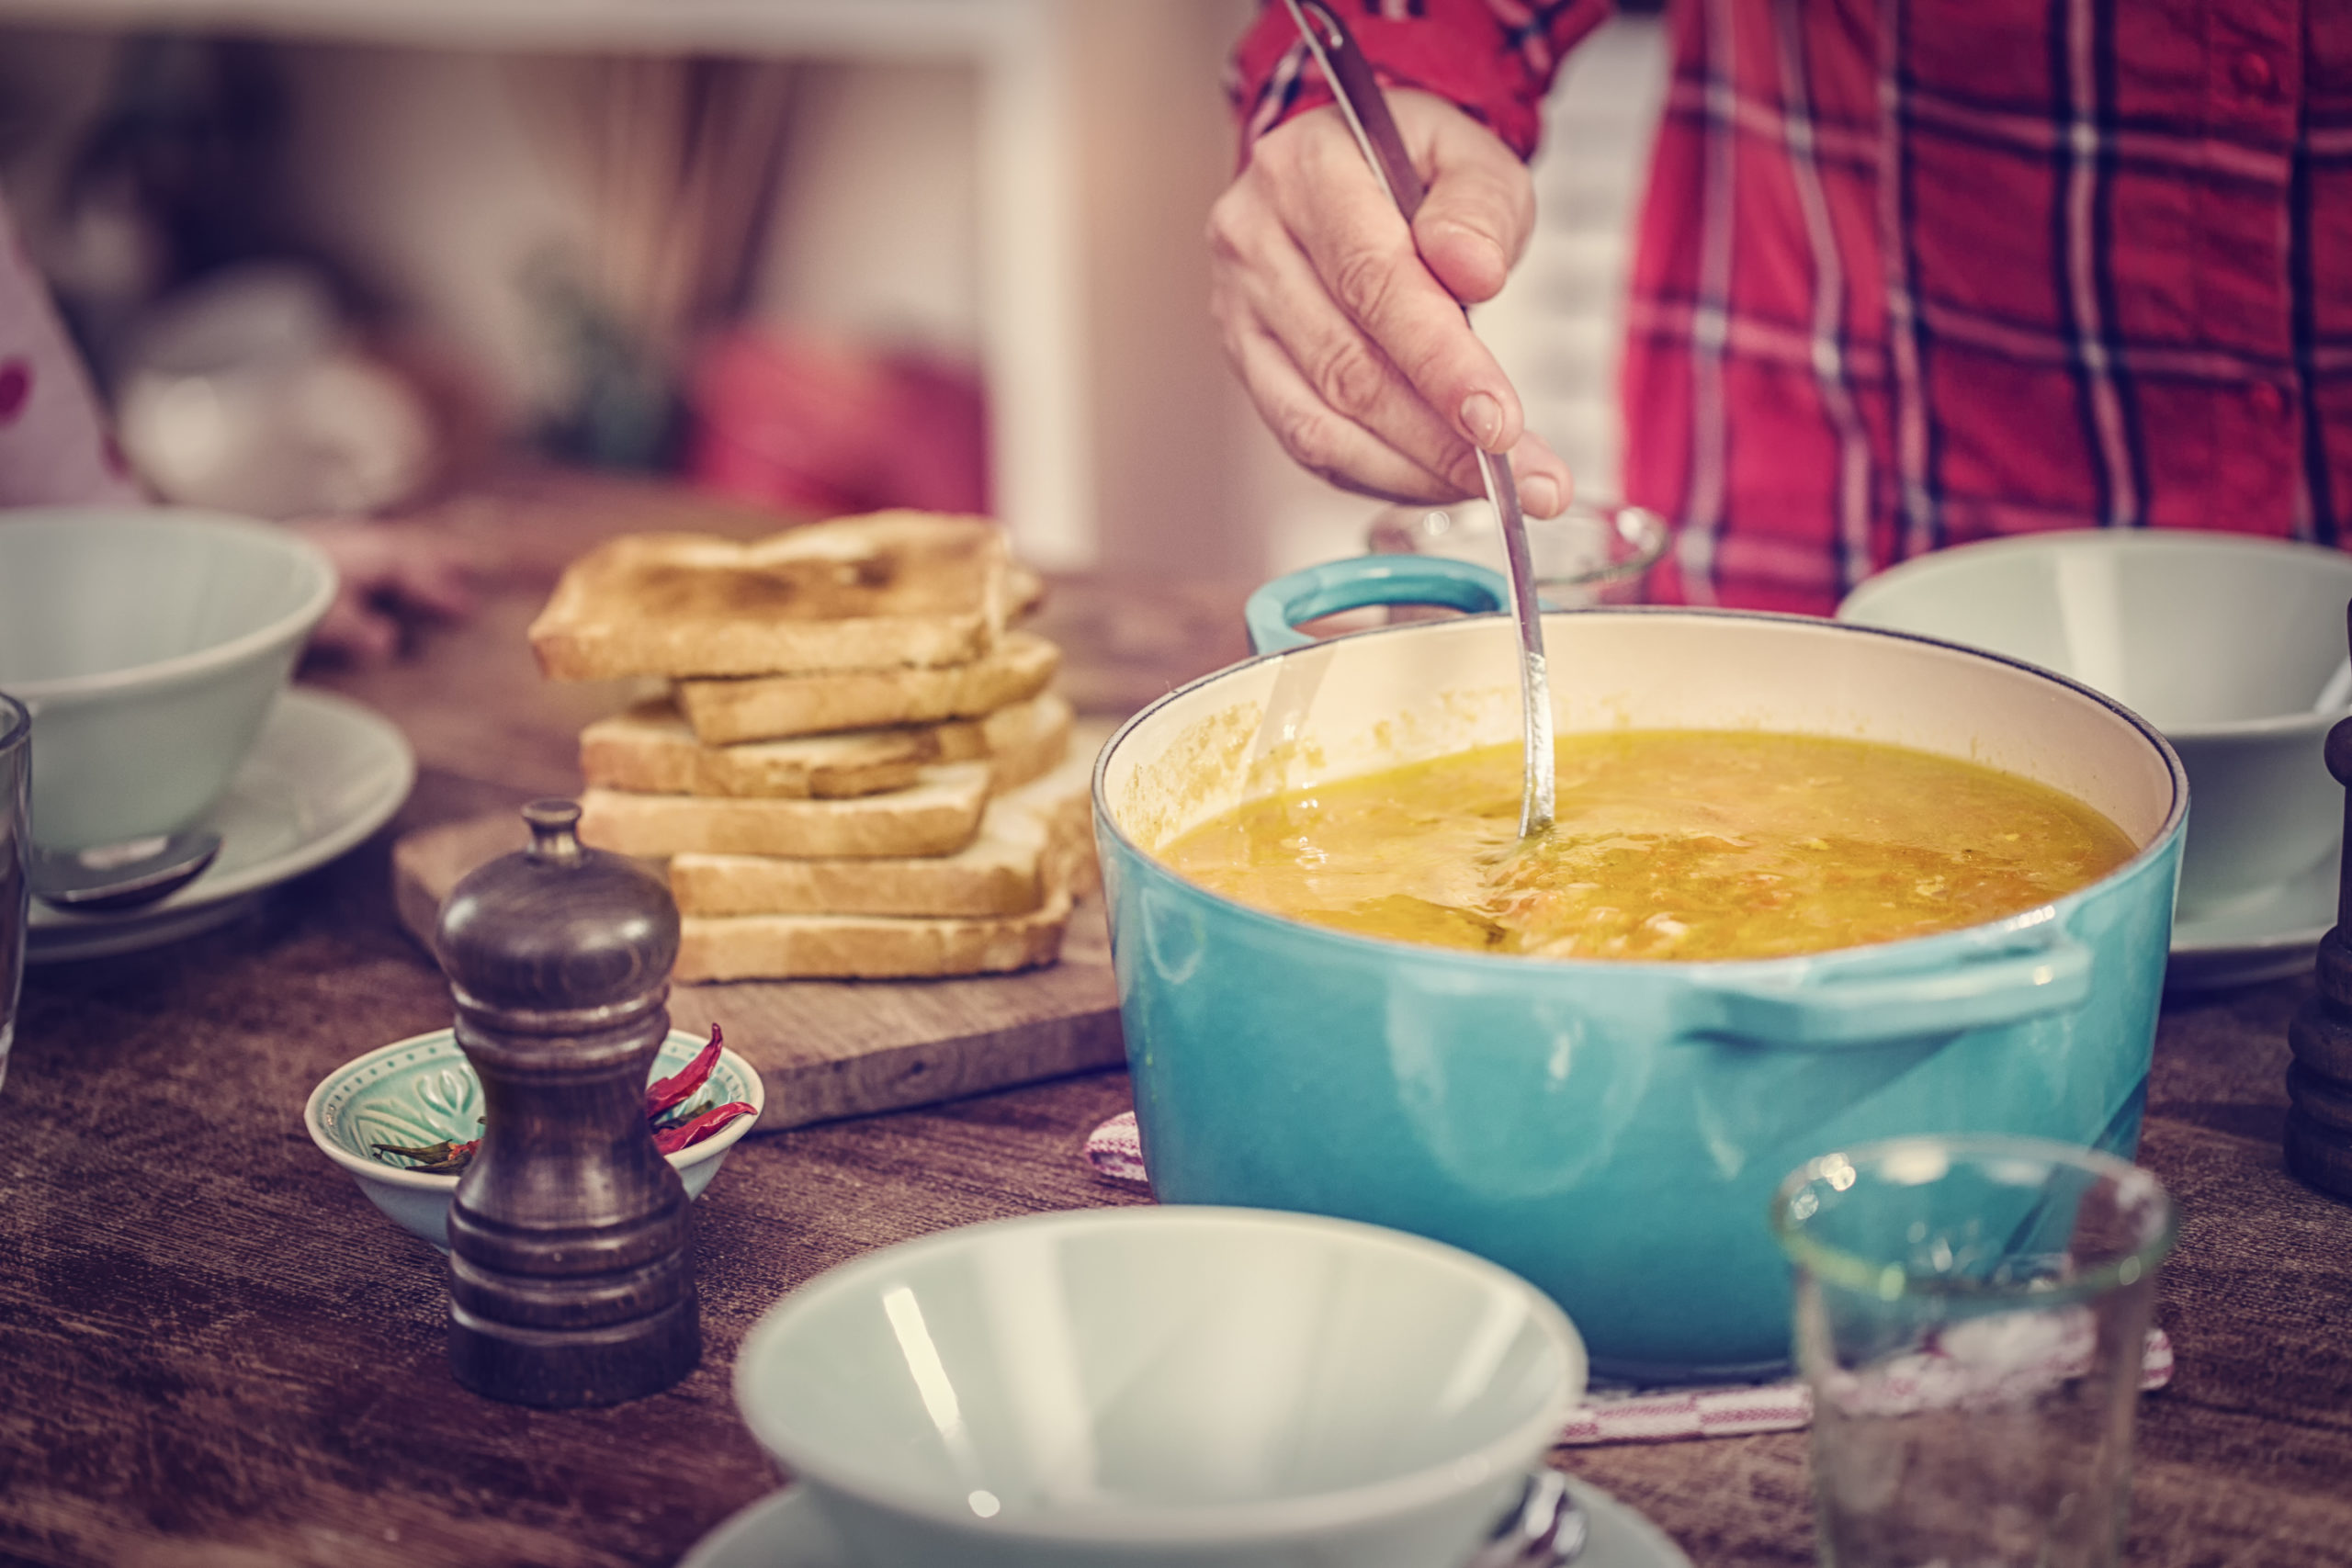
<point>1971,1318</point>
<point>16,784</point>
<point>1593,553</point>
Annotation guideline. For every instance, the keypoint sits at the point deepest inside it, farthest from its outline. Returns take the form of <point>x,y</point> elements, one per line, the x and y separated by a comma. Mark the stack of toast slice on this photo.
<point>858,770</point>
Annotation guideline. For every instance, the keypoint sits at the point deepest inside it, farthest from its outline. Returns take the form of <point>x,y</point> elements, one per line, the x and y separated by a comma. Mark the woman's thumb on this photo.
<point>1479,211</point>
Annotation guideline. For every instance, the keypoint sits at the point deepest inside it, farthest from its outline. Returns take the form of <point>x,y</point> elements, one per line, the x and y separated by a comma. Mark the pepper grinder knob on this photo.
<point>554,825</point>
<point>2319,1081</point>
<point>570,1268</point>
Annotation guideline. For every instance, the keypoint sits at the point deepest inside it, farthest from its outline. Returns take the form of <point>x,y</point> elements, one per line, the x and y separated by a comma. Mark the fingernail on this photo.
<point>1539,494</point>
<point>1491,249</point>
<point>1482,417</point>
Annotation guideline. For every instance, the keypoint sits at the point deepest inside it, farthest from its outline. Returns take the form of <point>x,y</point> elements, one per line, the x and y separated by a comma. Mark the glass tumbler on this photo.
<point>1970,1318</point>
<point>15,839</point>
<point>1593,553</point>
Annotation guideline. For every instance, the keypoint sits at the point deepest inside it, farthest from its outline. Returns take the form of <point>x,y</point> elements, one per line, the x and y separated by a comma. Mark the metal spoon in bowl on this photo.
<point>2338,690</point>
<point>1366,109</point>
<point>111,877</point>
<point>1544,1530</point>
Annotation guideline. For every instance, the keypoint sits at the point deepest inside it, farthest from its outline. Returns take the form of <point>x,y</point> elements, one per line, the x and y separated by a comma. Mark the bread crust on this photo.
<point>652,749</point>
<point>1030,841</point>
<point>989,876</point>
<point>868,947</point>
<point>936,815</point>
<point>886,591</point>
<point>777,708</point>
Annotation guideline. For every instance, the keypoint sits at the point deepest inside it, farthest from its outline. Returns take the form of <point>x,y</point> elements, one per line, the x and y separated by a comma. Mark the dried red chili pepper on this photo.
<point>664,1097</point>
<point>444,1158</point>
<point>664,1094</point>
<point>685,1135</point>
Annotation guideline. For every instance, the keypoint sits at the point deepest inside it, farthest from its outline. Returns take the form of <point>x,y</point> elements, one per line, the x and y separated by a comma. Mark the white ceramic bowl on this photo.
<point>422,1089</point>
<point>2223,642</point>
<point>149,644</point>
<point>1162,1386</point>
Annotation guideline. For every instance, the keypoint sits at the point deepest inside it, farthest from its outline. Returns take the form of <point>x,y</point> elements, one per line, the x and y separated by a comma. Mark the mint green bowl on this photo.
<point>1179,1387</point>
<point>150,644</point>
<point>422,1089</point>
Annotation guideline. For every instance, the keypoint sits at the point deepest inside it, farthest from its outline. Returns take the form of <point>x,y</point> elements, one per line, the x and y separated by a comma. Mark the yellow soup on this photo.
<point>1669,844</point>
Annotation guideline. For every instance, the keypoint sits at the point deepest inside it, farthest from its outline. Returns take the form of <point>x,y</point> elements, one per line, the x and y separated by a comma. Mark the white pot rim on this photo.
<point>1720,969</point>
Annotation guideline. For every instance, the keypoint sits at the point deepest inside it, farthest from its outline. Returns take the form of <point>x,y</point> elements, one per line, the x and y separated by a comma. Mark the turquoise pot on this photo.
<point>1612,1131</point>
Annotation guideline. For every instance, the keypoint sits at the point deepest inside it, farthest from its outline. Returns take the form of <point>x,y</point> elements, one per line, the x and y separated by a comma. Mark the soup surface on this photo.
<point>1668,844</point>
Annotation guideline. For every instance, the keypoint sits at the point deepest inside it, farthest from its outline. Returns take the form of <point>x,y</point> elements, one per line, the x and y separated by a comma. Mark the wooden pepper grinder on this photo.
<point>570,1276</point>
<point>2319,1081</point>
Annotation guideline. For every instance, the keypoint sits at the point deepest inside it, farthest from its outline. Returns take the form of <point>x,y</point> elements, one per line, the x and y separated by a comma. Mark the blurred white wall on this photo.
<point>1172,433</point>
<point>877,229</point>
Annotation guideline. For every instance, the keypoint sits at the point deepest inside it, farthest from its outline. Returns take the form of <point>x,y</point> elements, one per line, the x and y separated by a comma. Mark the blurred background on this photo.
<point>815,256</point>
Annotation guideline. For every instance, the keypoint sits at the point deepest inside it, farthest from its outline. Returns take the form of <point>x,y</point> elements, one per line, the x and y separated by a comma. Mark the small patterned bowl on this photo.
<point>422,1089</point>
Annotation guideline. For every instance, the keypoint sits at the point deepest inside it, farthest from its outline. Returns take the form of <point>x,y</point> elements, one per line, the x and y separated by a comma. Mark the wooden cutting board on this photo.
<point>830,1048</point>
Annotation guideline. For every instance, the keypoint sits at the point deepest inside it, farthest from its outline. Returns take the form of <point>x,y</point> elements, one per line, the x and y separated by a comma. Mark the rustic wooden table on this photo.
<point>213,1353</point>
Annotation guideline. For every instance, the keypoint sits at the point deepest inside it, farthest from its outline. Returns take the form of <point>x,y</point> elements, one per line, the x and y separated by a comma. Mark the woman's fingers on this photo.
<point>387,573</point>
<point>1546,486</point>
<point>1323,441</point>
<point>1277,296</point>
<point>1475,223</point>
<point>1363,256</point>
<point>1335,314</point>
<point>433,579</point>
<point>1355,457</point>
<point>351,630</point>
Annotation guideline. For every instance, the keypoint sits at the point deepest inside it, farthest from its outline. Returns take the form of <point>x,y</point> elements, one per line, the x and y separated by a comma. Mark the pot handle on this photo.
<point>1274,611</point>
<point>1831,1012</point>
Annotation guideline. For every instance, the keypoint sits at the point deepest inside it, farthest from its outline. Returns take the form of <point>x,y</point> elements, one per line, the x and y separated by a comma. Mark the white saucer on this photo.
<point>2263,936</point>
<point>786,1530</point>
<point>326,774</point>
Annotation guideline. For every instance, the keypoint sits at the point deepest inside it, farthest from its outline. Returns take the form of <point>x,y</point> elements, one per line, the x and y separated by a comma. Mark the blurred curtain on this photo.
<point>678,157</point>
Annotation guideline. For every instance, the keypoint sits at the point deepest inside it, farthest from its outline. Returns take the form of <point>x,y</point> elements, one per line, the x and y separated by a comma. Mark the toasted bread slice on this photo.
<point>1024,594</point>
<point>876,593</point>
<point>651,750</point>
<point>1022,851</point>
<point>774,707</point>
<point>938,814</point>
<point>868,947</point>
<point>1022,742</point>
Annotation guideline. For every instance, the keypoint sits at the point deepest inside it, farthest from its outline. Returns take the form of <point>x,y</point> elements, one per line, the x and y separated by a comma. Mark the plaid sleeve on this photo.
<point>1495,59</point>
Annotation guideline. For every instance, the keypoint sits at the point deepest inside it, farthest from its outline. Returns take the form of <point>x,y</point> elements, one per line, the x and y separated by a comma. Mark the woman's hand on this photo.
<point>391,574</point>
<point>1346,326</point>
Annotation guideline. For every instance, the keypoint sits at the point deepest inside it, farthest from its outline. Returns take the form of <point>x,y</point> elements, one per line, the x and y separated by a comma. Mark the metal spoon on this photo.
<point>1366,108</point>
<point>107,877</point>
<point>2338,690</point>
<point>1545,1528</point>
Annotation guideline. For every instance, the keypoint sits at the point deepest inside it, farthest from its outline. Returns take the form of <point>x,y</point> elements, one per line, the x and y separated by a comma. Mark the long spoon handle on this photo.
<point>1366,109</point>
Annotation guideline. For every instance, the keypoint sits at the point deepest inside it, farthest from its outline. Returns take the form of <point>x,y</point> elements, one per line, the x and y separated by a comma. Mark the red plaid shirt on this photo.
<point>1916,271</point>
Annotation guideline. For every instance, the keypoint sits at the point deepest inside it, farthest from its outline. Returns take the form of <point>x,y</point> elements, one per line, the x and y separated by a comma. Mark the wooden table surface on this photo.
<point>213,1353</point>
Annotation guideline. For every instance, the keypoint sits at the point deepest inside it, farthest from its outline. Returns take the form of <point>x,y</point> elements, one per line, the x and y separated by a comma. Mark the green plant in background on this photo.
<point>620,408</point>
